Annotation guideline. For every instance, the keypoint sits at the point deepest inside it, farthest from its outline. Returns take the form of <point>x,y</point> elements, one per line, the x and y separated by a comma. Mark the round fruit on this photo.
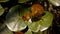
<point>37,9</point>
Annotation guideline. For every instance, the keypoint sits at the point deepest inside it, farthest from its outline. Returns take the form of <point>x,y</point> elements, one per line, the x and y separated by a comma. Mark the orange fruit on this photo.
<point>37,9</point>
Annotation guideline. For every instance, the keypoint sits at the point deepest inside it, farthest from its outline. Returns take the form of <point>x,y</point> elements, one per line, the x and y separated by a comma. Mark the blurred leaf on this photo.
<point>23,11</point>
<point>22,1</point>
<point>1,10</point>
<point>13,19</point>
<point>6,31</point>
<point>33,26</point>
<point>28,32</point>
<point>0,24</point>
<point>46,21</point>
<point>55,2</point>
<point>4,0</point>
<point>42,24</point>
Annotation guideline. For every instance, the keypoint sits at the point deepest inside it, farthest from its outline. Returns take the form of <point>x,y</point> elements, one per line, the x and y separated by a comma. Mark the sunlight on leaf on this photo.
<point>55,2</point>
<point>1,10</point>
<point>13,20</point>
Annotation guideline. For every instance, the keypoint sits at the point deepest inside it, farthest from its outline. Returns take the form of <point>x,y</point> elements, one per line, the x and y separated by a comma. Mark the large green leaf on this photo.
<point>55,2</point>
<point>42,24</point>
<point>46,21</point>
<point>13,19</point>
<point>1,10</point>
<point>4,0</point>
<point>22,1</point>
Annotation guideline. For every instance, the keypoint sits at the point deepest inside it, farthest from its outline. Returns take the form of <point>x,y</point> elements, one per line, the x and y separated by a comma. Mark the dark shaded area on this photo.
<point>9,3</point>
<point>37,18</point>
<point>25,30</point>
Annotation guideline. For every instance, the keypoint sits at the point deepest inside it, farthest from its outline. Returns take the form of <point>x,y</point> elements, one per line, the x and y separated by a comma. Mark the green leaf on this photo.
<point>23,11</point>
<point>28,32</point>
<point>4,0</point>
<point>13,19</point>
<point>55,2</point>
<point>1,10</point>
<point>34,27</point>
<point>46,21</point>
<point>42,24</point>
<point>22,1</point>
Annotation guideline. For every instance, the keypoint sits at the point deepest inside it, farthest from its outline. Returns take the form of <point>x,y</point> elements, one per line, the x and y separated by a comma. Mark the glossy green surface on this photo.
<point>14,18</point>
